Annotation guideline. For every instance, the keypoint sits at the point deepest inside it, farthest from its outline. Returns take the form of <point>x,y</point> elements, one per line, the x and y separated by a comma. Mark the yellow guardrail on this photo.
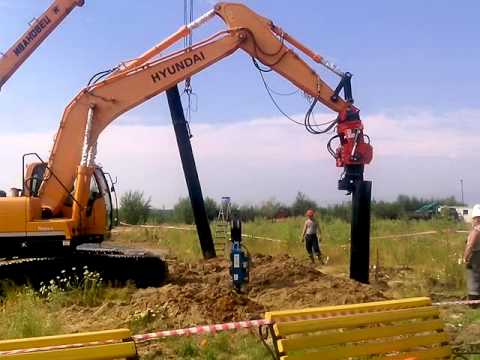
<point>110,344</point>
<point>393,329</point>
<point>387,330</point>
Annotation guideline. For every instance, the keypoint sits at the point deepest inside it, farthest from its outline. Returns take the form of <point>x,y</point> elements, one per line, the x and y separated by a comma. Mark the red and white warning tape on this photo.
<point>460,302</point>
<point>197,330</point>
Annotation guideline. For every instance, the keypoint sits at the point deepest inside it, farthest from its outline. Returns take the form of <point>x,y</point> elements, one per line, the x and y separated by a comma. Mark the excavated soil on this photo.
<point>202,293</point>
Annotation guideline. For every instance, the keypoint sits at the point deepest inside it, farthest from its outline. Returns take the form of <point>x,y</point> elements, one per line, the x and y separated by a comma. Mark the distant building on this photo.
<point>281,215</point>
<point>464,213</point>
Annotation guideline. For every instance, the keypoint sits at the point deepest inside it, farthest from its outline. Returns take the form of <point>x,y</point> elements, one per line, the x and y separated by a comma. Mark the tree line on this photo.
<point>135,208</point>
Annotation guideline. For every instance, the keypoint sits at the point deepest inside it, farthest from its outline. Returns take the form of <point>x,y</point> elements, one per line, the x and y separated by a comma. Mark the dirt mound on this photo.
<point>199,292</point>
<point>286,282</point>
<point>202,292</point>
<point>196,303</point>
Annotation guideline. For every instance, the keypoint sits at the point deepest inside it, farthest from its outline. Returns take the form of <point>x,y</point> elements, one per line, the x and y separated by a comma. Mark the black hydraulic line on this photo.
<point>360,231</point>
<point>190,171</point>
<point>114,192</point>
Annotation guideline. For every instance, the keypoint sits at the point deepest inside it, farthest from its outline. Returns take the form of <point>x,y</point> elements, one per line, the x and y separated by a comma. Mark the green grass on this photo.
<point>223,346</point>
<point>25,314</point>
<point>428,264</point>
<point>433,260</point>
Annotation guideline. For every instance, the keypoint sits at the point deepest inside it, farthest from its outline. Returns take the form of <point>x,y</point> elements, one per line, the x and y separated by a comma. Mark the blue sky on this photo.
<point>414,63</point>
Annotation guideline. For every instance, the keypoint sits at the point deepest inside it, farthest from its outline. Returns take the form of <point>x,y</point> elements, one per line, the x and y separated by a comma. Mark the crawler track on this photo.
<point>116,265</point>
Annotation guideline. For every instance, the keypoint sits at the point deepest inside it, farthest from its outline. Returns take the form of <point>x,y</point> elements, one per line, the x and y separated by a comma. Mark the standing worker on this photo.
<point>471,256</point>
<point>309,234</point>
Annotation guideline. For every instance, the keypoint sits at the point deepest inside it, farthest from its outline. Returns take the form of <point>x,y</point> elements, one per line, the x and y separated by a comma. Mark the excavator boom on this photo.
<point>143,79</point>
<point>66,202</point>
<point>38,31</point>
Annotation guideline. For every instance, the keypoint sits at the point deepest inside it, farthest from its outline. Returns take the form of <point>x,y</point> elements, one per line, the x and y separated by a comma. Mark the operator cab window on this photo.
<point>94,189</point>
<point>37,179</point>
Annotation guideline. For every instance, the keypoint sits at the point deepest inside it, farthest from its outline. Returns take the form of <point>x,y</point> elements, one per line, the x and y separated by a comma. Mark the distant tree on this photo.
<point>387,210</point>
<point>161,216</point>
<point>451,201</point>
<point>302,203</point>
<point>212,209</point>
<point>134,207</point>
<point>341,211</point>
<point>235,211</point>
<point>270,208</point>
<point>183,211</point>
<point>408,204</point>
<point>248,213</point>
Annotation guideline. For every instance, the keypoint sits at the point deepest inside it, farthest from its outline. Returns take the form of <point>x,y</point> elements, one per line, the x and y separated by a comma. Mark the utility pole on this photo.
<point>461,187</point>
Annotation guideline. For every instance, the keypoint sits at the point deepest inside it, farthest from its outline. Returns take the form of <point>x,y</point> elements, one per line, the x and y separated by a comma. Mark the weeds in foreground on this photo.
<point>142,320</point>
<point>81,288</point>
<point>25,314</point>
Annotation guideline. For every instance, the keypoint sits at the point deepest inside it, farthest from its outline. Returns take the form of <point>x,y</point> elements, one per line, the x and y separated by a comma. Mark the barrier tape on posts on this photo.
<point>198,330</point>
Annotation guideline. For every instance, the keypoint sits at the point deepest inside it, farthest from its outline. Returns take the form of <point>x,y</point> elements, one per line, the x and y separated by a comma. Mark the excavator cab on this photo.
<point>47,228</point>
<point>100,191</point>
<point>39,243</point>
<point>99,187</point>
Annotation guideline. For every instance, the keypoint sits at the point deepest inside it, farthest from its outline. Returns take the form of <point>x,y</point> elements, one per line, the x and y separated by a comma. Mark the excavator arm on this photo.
<point>95,107</point>
<point>38,31</point>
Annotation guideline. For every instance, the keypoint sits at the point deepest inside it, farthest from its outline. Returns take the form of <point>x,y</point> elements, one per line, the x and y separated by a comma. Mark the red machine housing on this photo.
<point>353,149</point>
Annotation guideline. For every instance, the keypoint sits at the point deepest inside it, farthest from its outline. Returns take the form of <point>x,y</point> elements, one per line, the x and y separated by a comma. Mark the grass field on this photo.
<point>422,264</point>
<point>433,259</point>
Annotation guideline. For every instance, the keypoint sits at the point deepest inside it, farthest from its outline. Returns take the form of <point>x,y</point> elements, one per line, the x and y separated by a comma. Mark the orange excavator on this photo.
<point>38,31</point>
<point>66,203</point>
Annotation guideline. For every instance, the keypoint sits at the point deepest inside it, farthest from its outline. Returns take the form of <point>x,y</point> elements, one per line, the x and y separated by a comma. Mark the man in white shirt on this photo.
<point>309,234</point>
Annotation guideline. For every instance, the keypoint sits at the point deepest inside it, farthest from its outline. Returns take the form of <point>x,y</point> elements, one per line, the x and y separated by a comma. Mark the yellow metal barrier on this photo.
<point>394,329</point>
<point>110,344</point>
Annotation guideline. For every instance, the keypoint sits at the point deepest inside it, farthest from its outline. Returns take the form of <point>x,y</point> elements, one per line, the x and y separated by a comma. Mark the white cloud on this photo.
<point>416,153</point>
<point>424,134</point>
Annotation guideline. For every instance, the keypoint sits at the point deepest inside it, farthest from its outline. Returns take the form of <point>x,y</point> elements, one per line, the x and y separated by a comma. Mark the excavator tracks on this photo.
<point>116,266</point>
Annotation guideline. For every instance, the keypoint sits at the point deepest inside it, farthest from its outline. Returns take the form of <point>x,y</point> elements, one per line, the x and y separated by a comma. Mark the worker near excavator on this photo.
<point>312,236</point>
<point>471,256</point>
